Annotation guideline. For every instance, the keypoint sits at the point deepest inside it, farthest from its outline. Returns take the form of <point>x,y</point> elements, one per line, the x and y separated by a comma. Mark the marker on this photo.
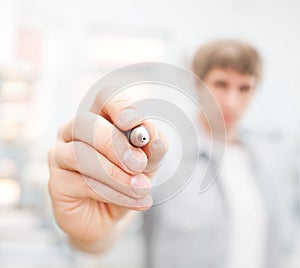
<point>138,136</point>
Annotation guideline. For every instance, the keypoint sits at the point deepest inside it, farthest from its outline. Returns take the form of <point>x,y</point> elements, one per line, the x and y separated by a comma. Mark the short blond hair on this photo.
<point>227,54</point>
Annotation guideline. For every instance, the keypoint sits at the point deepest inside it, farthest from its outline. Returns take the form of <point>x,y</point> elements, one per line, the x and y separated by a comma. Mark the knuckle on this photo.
<point>115,141</point>
<point>69,155</point>
<point>106,144</point>
<point>71,126</point>
<point>115,172</point>
<point>63,155</point>
<point>113,144</point>
<point>51,186</point>
<point>61,135</point>
<point>119,176</point>
<point>116,105</point>
<point>99,99</point>
<point>60,132</point>
<point>52,182</point>
<point>50,155</point>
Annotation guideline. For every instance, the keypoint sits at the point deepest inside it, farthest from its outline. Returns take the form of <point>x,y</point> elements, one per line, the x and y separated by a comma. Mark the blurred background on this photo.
<point>51,52</point>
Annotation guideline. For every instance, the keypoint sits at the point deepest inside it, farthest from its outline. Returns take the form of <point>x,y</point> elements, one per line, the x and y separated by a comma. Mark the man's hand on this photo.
<point>95,180</point>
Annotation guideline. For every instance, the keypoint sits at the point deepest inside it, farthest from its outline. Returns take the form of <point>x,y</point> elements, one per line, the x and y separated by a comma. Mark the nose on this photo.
<point>231,98</point>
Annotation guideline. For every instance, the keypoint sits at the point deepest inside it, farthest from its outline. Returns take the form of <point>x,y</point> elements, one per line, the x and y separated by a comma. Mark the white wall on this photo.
<point>272,26</point>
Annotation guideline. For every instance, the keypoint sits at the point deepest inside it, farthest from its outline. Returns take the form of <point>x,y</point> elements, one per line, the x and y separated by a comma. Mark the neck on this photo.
<point>230,134</point>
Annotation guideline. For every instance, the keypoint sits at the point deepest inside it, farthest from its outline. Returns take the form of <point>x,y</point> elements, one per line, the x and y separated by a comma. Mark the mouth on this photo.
<point>229,119</point>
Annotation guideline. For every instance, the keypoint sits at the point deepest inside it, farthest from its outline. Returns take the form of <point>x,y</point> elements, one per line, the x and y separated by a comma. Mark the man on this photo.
<point>239,222</point>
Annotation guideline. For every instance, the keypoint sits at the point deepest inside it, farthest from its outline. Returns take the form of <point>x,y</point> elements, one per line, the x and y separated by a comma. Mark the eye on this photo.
<point>245,88</point>
<point>220,84</point>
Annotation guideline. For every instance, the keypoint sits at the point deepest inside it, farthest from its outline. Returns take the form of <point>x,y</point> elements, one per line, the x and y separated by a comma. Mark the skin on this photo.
<point>90,215</point>
<point>233,91</point>
<point>93,218</point>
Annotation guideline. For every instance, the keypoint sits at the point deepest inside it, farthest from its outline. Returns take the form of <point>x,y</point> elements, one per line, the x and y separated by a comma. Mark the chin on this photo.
<point>230,126</point>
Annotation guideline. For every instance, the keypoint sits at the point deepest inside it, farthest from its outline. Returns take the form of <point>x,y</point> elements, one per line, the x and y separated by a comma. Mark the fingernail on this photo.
<point>140,184</point>
<point>128,115</point>
<point>134,160</point>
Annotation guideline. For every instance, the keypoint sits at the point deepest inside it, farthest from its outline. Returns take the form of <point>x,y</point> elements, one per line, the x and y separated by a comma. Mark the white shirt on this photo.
<point>248,221</point>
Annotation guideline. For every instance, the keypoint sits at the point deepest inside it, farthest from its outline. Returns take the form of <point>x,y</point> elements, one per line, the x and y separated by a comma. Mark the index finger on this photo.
<point>119,110</point>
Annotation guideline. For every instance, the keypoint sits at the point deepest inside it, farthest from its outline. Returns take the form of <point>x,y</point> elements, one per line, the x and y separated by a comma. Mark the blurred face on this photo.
<point>233,92</point>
